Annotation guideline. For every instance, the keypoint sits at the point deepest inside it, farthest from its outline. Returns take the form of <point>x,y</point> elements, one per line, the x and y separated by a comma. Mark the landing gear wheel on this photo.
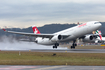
<point>55,46</point>
<point>75,44</point>
<point>71,47</point>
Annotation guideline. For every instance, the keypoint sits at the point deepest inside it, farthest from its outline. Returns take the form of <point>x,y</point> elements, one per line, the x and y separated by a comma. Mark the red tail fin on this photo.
<point>35,30</point>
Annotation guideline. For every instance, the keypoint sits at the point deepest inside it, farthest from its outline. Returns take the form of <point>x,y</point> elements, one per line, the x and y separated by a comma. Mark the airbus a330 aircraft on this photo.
<point>70,34</point>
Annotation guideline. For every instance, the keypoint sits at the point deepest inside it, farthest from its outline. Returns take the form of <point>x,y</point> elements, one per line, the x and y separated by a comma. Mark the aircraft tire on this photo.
<point>71,47</point>
<point>54,47</point>
<point>75,44</point>
<point>74,47</point>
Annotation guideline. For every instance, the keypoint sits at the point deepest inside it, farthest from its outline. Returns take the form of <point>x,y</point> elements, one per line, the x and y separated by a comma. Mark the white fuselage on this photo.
<point>73,32</point>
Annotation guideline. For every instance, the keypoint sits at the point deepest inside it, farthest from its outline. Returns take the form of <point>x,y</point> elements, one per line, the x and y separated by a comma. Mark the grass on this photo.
<point>47,58</point>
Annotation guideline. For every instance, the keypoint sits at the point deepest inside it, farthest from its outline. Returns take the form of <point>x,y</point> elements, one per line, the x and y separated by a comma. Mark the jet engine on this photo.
<point>89,38</point>
<point>38,40</point>
<point>56,38</point>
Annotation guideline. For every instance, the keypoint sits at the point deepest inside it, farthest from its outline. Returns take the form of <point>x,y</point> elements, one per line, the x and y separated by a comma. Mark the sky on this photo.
<point>25,13</point>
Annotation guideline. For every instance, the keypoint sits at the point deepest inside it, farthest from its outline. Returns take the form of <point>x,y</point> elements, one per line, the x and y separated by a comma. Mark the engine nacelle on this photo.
<point>38,40</point>
<point>43,41</point>
<point>56,38</point>
<point>88,37</point>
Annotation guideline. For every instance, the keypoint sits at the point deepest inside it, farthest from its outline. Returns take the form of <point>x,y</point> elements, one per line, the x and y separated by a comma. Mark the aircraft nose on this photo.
<point>99,24</point>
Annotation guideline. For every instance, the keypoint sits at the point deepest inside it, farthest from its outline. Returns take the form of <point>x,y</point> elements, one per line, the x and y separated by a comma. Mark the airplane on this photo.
<point>70,34</point>
<point>95,38</point>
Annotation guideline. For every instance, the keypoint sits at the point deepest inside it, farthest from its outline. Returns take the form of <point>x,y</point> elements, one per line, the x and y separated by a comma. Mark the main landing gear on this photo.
<point>55,46</point>
<point>74,44</point>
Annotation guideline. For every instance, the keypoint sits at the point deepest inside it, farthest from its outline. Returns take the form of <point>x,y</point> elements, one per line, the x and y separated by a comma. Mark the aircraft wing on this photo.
<point>35,35</point>
<point>31,34</point>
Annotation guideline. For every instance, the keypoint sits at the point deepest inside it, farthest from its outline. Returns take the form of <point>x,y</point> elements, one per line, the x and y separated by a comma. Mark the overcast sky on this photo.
<point>25,13</point>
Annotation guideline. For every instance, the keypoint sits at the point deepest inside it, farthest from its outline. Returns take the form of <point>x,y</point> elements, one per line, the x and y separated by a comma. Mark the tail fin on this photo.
<point>35,30</point>
<point>99,33</point>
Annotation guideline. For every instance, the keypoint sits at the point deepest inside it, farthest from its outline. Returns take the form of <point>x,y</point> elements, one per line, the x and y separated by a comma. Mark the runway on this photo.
<point>63,50</point>
<point>26,67</point>
<point>70,50</point>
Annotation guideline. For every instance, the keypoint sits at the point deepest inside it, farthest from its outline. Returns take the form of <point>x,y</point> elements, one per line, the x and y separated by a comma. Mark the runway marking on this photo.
<point>48,68</point>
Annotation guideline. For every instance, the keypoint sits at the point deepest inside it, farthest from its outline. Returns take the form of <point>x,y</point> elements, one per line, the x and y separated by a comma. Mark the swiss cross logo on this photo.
<point>35,31</point>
